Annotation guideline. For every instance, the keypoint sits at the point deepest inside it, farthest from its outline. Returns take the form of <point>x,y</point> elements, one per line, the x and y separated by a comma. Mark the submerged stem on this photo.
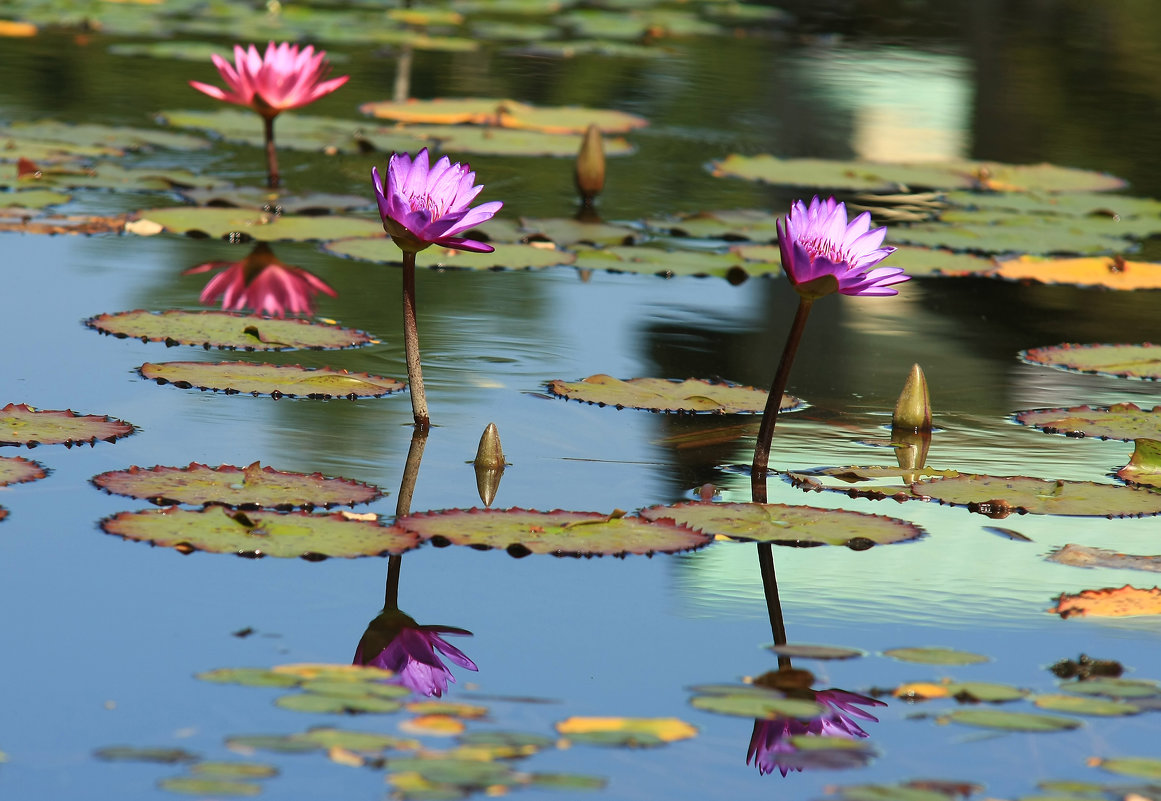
<point>411,345</point>
<point>271,154</point>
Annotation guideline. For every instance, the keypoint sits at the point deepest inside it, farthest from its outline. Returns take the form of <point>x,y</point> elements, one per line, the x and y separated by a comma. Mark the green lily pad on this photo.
<point>919,790</point>
<point>780,524</point>
<point>337,704</point>
<point>233,770</point>
<point>250,677</point>
<point>1035,235</point>
<point>21,424</point>
<point>622,732</point>
<point>1123,421</point>
<point>1139,767</point>
<point>505,257</point>
<point>670,263</point>
<point>935,656</point>
<point>279,381</point>
<point>199,52</point>
<point>464,774</point>
<point>227,330</point>
<point>936,261</point>
<point>33,198</point>
<point>667,395</point>
<point>548,48</point>
<point>118,137</point>
<point>1124,361</point>
<point>1114,688</point>
<point>1107,224</point>
<point>256,534</point>
<point>246,224</point>
<point>493,141</point>
<point>805,651</point>
<point>27,221</point>
<point>564,231</point>
<point>976,692</point>
<point>14,147</point>
<point>750,701</point>
<point>506,744</point>
<point>267,200</point>
<point>205,787</point>
<point>566,781</point>
<point>560,533</point>
<point>278,743</point>
<point>635,24</point>
<point>502,113</point>
<point>18,470</point>
<point>110,175</point>
<point>1000,496</point>
<point>1144,468</point>
<point>748,224</point>
<point>362,742</point>
<point>246,487</point>
<point>127,753</point>
<point>1082,705</point>
<point>1002,720</point>
<point>1074,204</point>
<point>354,688</point>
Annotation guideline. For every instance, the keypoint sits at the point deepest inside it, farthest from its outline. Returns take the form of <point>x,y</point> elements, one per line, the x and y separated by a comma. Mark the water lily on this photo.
<point>394,641</point>
<point>262,283</point>
<point>282,78</point>
<point>770,746</point>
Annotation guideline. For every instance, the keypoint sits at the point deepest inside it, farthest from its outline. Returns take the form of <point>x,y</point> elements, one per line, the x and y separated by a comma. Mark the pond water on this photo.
<point>103,637</point>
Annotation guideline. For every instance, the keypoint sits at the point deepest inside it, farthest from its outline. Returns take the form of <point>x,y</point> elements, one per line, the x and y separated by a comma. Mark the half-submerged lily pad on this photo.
<point>780,524</point>
<point>625,732</point>
<point>227,330</point>
<point>1144,468</point>
<point>1000,496</point>
<point>278,381</point>
<point>239,224</point>
<point>668,395</point>
<point>21,424</point>
<point>505,114</point>
<point>257,534</point>
<point>1123,361</point>
<point>1124,421</point>
<point>245,487</point>
<point>18,470</point>
<point>560,533</point>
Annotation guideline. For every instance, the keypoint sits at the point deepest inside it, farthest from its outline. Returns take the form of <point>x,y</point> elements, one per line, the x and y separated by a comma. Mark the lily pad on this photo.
<point>492,141</point>
<point>564,231</point>
<point>1109,602</point>
<point>233,770</point>
<point>13,148</point>
<point>1144,468</point>
<point>1110,687</point>
<point>1123,361</point>
<point>257,534</point>
<point>975,692</point>
<point>935,656</point>
<point>278,743</point>
<point>504,744</point>
<point>209,787</point>
<point>781,524</point>
<point>548,48</point>
<point>337,704</point>
<point>462,774</point>
<point>110,175</point>
<point>936,261</point>
<point>18,470</point>
<point>670,263</point>
<point>505,114</point>
<point>1081,705</point>
<point>21,424</point>
<point>625,732</point>
<point>1000,496</point>
<point>1002,720</point>
<point>119,137</point>
<point>249,677</point>
<point>362,742</point>
<point>1139,767</point>
<point>227,330</point>
<point>271,201</point>
<point>750,701</point>
<point>33,198</point>
<point>245,224</point>
<point>1107,272</point>
<point>560,533</point>
<point>1036,235</point>
<point>126,753</point>
<point>805,651</point>
<point>1123,421</point>
<point>278,381</point>
<point>246,487</point>
<point>504,257</point>
<point>692,395</point>
<point>1083,556</point>
<point>747,224</point>
<point>199,52</point>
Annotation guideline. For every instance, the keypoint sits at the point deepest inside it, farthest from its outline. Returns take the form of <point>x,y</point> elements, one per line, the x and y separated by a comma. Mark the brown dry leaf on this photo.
<point>69,224</point>
<point>1110,602</point>
<point>1084,556</point>
<point>1113,272</point>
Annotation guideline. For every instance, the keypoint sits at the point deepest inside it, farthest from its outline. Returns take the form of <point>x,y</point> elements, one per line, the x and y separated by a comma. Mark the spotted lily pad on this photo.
<point>21,424</point>
<point>505,114</point>
<point>1109,272</point>
<point>246,224</point>
<point>560,533</point>
<point>279,381</point>
<point>781,524</point>
<point>246,487</point>
<point>1000,496</point>
<point>1124,421</point>
<point>503,257</point>
<point>935,656</point>
<point>257,534</point>
<point>668,395</point>
<point>1002,720</point>
<point>625,732</point>
<point>18,470</point>
<point>227,330</point>
<point>1124,361</point>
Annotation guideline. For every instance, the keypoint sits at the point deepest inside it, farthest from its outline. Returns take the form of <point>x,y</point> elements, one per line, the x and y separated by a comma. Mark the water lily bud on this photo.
<point>490,455</point>
<point>590,165</point>
<point>487,482</point>
<point>913,409</point>
<point>911,451</point>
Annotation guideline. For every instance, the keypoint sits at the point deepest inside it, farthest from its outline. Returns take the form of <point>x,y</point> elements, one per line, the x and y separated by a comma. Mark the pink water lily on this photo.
<point>262,283</point>
<point>284,77</point>
<point>425,205</point>
<point>395,642</point>
<point>770,747</point>
<point>822,253</point>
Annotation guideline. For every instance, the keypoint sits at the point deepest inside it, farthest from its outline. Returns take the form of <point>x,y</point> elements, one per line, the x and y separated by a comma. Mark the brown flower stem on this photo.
<point>411,345</point>
<point>391,596</point>
<point>774,402</point>
<point>271,154</point>
<point>773,605</point>
<point>403,507</point>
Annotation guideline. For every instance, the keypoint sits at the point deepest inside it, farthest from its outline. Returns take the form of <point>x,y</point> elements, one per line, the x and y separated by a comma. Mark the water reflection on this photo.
<point>262,284</point>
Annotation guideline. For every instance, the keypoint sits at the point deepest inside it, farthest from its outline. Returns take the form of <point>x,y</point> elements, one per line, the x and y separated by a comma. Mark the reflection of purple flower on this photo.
<point>394,641</point>
<point>770,744</point>
<point>262,283</point>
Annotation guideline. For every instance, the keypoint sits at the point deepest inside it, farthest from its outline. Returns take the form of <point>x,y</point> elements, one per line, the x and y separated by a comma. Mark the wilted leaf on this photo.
<point>1120,421</point>
<point>1000,496</point>
<point>668,395</point>
<point>279,381</point>
<point>21,424</point>
<point>18,470</point>
<point>1145,465</point>
<point>1002,720</point>
<point>1109,602</point>
<point>505,114</point>
<point>625,732</point>
<point>1110,272</point>
<point>1084,556</point>
<point>935,656</point>
<point>227,330</point>
<point>1126,361</point>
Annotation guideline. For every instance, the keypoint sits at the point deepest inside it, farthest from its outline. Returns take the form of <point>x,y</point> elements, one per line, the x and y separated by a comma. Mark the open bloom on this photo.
<point>394,641</point>
<point>822,253</point>
<point>423,206</point>
<point>285,77</point>
<point>770,746</point>
<point>262,283</point>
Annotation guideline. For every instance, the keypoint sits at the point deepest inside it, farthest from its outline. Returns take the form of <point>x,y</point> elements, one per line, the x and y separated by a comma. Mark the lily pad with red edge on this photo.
<point>245,487</point>
<point>278,381</point>
<point>1000,496</point>
<point>668,395</point>
<point>504,256</point>
<point>254,534</point>
<point>18,470</point>
<point>1122,361</point>
<point>21,424</point>
<point>1125,421</point>
<point>560,533</point>
<point>1107,272</point>
<point>503,113</point>
<point>1144,468</point>
<point>228,330</point>
<point>248,224</point>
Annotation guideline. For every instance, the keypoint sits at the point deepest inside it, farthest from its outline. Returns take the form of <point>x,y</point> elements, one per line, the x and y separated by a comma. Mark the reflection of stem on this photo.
<point>391,596</point>
<point>773,605</point>
<point>271,154</point>
<point>403,75</point>
<point>774,401</point>
<point>403,507</point>
<point>411,345</point>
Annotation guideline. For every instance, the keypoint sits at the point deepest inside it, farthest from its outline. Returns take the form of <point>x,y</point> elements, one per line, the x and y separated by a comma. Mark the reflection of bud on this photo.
<point>770,746</point>
<point>590,165</point>
<point>262,283</point>
<point>394,641</point>
<point>913,409</point>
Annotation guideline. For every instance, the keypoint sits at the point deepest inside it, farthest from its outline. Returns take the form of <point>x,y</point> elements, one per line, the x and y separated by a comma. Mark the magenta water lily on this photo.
<point>771,748</point>
<point>395,642</point>
<point>262,283</point>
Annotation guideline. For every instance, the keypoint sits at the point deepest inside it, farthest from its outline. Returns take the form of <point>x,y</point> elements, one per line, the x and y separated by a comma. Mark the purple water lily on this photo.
<point>395,642</point>
<point>770,743</point>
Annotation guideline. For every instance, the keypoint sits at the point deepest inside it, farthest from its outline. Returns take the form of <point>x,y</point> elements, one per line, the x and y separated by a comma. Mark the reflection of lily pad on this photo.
<point>999,496</point>
<point>23,425</point>
<point>18,470</point>
<point>507,257</point>
<point>1144,468</point>
<point>279,381</point>
<point>503,113</point>
<point>1109,272</point>
<point>666,395</point>
<point>560,533</point>
<point>1124,421</point>
<point>244,224</point>
<point>625,732</point>
<point>226,330</point>
<point>1124,361</point>
<point>935,656</point>
<point>257,534</point>
<point>825,752</point>
<point>780,524</point>
<point>1002,720</point>
<point>246,487</point>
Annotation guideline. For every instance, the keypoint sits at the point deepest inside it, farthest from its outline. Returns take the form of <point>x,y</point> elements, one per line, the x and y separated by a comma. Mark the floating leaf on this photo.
<point>1002,720</point>
<point>362,742</point>
<point>249,677</point>
<point>256,534</point>
<point>246,224</point>
<point>25,222</point>
<point>506,745</point>
<point>921,691</point>
<point>462,774</point>
<point>1144,468</point>
<point>1109,602</point>
<point>196,785</point>
<point>564,231</point>
<point>233,770</point>
<point>937,261</point>
<point>335,672</point>
<point>279,381</point>
<point>278,743</point>
<point>253,486</point>
<point>636,24</point>
<point>21,424</point>
<point>752,701</point>
<point>119,137</point>
<point>127,753</point>
<point>804,651</point>
<point>546,48</point>
<point>671,263</point>
<point>781,524</point>
<point>918,790</point>
<point>1000,496</point>
<point>668,395</point>
<point>227,330</point>
<point>1124,421</point>
<point>433,726</point>
<point>18,470</point>
<point>1084,556</point>
<point>337,704</point>
<point>625,732</point>
<point>110,175</point>
<point>560,533</point>
<point>1110,272</point>
<point>272,201</point>
<point>1124,361</point>
<point>566,781</point>
<point>354,687</point>
<point>492,141</point>
<point>449,708</point>
<point>1113,687</point>
<point>1139,767</point>
<point>935,656</point>
<point>504,114</point>
<point>33,198</point>
<point>1017,235</point>
<point>503,257</point>
<point>1080,705</point>
<point>984,692</point>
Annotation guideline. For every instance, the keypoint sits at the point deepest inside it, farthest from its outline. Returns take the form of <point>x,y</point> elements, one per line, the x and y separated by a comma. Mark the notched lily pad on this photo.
<point>258,533</point>
<point>1123,361</point>
<point>1002,720</point>
<point>1123,421</point>
<point>227,330</point>
<point>240,224</point>
<point>278,381</point>
<point>21,424</point>
<point>625,732</point>
<point>560,533</point>
<point>244,487</point>
<point>935,656</point>
<point>18,470</point>
<point>693,395</point>
<point>1000,496</point>
<point>781,524</point>
<point>504,114</point>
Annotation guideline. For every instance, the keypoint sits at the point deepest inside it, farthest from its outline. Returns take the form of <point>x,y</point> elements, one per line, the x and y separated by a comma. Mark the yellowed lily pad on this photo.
<point>625,732</point>
<point>1000,496</point>
<point>1108,272</point>
<point>668,395</point>
<point>1123,361</point>
<point>227,330</point>
<point>1109,602</point>
<point>239,224</point>
<point>1124,421</point>
<point>505,114</point>
<point>18,470</point>
<point>278,381</point>
<point>21,424</point>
